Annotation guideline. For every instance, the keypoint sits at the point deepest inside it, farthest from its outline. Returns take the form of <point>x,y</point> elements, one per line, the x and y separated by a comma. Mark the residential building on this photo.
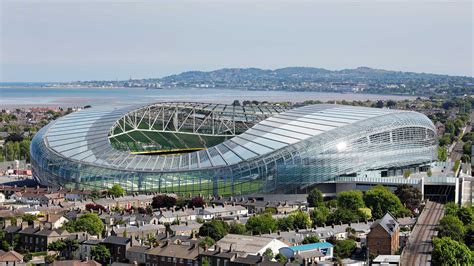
<point>250,245</point>
<point>118,247</point>
<point>383,238</point>
<point>11,258</point>
<point>309,253</point>
<point>138,231</point>
<point>137,254</point>
<point>170,254</point>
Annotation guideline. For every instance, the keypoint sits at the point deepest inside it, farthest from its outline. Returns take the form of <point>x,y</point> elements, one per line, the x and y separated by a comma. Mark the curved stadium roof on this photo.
<point>83,136</point>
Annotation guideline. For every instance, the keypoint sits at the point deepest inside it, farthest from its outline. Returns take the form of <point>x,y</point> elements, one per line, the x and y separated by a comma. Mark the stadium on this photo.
<point>199,148</point>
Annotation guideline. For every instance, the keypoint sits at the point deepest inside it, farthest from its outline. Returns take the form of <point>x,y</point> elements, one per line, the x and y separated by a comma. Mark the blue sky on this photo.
<point>87,40</point>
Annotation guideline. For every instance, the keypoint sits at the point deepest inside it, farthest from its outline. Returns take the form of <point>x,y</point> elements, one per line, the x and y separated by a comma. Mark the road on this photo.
<point>419,248</point>
<point>457,151</point>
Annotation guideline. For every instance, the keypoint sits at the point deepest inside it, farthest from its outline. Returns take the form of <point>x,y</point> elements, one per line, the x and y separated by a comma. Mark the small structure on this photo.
<point>386,260</point>
<point>309,253</point>
<point>383,238</point>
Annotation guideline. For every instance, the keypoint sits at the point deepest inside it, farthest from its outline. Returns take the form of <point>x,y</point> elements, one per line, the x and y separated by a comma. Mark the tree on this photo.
<point>94,207</point>
<point>469,236</point>
<point>57,245</point>
<point>100,253</point>
<point>456,166</point>
<point>206,242</point>
<point>465,158</point>
<point>451,226</point>
<point>301,220</point>
<point>344,248</point>
<point>319,215</point>
<point>466,215</point>
<point>27,256</point>
<point>214,229</point>
<point>310,240</point>
<point>351,199</point>
<point>447,251</point>
<point>315,198</point>
<point>116,190</point>
<point>281,258</point>
<point>381,200</point>
<point>29,218</point>
<point>406,173</point>
<point>89,222</point>
<point>409,196</point>
<point>261,224</point>
<point>5,246</point>
<point>451,208</point>
<point>197,202</point>
<point>379,104</point>
<point>285,223</point>
<point>237,228</point>
<point>49,259</point>
<point>268,253</point>
<point>343,215</point>
<point>163,201</point>
<point>65,247</point>
<point>442,154</point>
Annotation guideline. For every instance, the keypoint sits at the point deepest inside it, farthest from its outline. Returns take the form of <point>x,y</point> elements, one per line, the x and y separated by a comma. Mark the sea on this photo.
<point>28,96</point>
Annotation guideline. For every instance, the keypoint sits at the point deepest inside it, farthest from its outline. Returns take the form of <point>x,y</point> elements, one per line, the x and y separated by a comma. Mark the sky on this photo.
<point>108,40</point>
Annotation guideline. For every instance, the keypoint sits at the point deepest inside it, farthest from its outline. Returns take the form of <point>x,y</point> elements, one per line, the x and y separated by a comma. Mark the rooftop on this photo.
<point>311,246</point>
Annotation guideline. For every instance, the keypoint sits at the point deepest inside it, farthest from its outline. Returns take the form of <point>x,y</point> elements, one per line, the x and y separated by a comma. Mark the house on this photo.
<point>185,229</point>
<point>37,239</point>
<point>383,238</point>
<point>86,246</point>
<point>137,254</point>
<point>55,221</point>
<point>76,263</point>
<point>135,200</point>
<point>2,197</point>
<point>77,194</point>
<point>220,257</point>
<point>169,216</point>
<point>250,245</point>
<point>138,231</point>
<point>142,219</point>
<point>36,198</point>
<point>11,258</point>
<point>309,253</point>
<point>118,247</point>
<point>170,254</point>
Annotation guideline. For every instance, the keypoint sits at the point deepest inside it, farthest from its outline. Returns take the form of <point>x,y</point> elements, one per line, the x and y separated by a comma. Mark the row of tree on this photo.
<point>455,242</point>
<point>353,205</point>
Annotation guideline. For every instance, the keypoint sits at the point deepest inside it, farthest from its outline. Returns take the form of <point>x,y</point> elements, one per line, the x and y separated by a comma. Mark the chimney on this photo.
<point>7,223</point>
<point>24,225</point>
<point>19,222</point>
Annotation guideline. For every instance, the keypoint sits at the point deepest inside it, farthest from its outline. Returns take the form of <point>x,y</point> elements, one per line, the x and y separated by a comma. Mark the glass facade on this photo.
<point>285,151</point>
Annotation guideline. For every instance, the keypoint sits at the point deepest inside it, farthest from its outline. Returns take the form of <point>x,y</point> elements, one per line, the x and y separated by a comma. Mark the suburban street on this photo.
<point>457,151</point>
<point>419,248</point>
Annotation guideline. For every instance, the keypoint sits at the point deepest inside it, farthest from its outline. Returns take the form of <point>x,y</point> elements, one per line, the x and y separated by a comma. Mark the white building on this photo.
<point>250,245</point>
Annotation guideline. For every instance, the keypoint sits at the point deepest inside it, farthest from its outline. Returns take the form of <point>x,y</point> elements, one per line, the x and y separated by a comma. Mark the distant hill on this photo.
<point>303,74</point>
<point>361,79</point>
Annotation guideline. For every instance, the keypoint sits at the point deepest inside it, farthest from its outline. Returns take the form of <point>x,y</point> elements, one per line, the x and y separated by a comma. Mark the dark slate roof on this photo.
<point>388,223</point>
<point>116,240</point>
